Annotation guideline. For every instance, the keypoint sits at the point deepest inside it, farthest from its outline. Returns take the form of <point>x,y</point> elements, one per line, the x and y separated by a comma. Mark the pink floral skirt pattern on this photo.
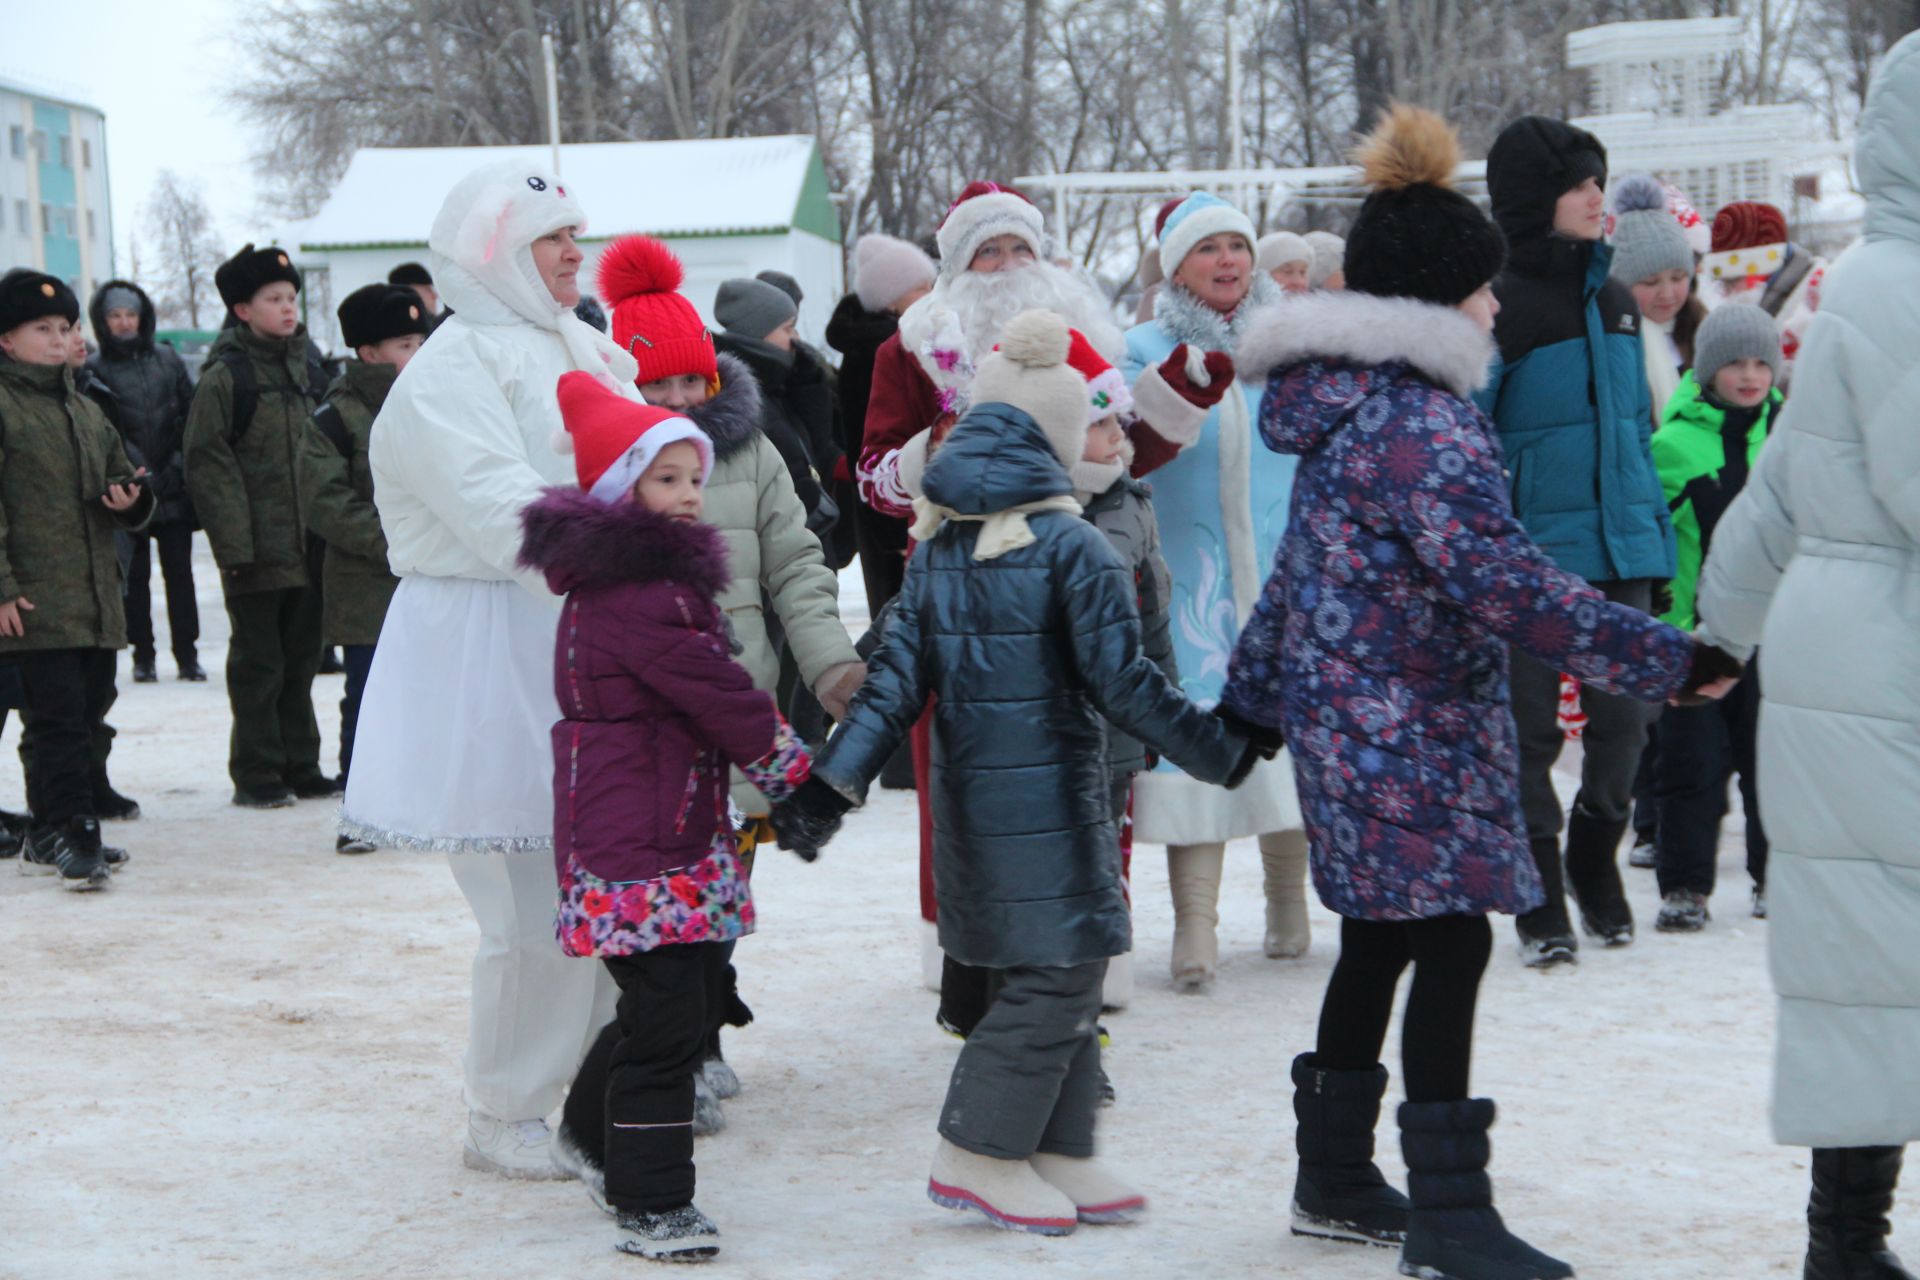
<point>710,901</point>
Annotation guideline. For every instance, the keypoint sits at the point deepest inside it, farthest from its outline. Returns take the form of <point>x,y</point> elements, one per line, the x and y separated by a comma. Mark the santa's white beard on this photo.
<point>985,301</point>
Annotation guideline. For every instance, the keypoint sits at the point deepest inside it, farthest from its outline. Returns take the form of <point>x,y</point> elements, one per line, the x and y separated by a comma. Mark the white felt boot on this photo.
<point>1283,856</point>
<point>1100,1197</point>
<point>1008,1193</point>
<point>1193,876</point>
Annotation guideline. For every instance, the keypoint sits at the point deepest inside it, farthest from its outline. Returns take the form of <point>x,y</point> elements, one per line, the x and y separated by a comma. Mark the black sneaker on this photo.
<point>1546,939</point>
<point>114,856</point>
<point>13,833</point>
<point>317,787</point>
<point>1683,911</point>
<point>191,670</point>
<point>143,672</point>
<point>678,1235</point>
<point>1641,855</point>
<point>110,806</point>
<point>72,853</point>
<point>1107,1095</point>
<point>352,844</point>
<point>265,798</point>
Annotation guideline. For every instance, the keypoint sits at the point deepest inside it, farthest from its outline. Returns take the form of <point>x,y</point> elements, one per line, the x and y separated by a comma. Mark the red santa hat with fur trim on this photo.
<point>614,440</point>
<point>982,211</point>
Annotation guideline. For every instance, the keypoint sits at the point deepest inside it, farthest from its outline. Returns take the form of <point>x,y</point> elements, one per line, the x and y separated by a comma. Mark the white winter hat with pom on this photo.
<point>1029,371</point>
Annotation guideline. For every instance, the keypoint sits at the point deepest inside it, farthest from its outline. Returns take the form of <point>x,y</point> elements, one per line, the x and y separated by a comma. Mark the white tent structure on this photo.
<point>728,206</point>
<point>1657,93</point>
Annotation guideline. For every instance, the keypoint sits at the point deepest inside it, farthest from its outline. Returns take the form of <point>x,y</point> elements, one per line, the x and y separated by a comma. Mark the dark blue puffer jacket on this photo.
<point>1025,653</point>
<point>1569,391</point>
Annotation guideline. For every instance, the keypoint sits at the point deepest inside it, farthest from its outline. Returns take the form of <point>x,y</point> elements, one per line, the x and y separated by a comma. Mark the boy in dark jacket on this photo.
<point>1569,396</point>
<point>66,487</point>
<point>653,710</point>
<point>383,324</point>
<point>250,413</point>
<point>1709,439</point>
<point>150,382</point>
<point>1020,618</point>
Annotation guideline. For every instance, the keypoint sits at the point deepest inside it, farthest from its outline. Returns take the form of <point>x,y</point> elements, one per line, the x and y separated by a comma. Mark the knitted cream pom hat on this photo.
<point>1029,371</point>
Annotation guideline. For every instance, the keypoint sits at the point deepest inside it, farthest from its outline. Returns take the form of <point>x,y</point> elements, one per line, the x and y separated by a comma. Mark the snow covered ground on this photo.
<point>244,1058</point>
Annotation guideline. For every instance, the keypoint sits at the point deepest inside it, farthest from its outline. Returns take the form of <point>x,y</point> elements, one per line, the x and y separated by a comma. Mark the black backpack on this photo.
<point>246,388</point>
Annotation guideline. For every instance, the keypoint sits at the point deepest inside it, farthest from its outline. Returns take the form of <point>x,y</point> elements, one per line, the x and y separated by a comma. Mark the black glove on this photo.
<point>1264,739</point>
<point>807,819</point>
<point>1662,598</point>
<point>1709,664</point>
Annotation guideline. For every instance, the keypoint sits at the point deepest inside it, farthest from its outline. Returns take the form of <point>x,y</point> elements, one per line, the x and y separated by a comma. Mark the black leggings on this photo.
<point>1448,953</point>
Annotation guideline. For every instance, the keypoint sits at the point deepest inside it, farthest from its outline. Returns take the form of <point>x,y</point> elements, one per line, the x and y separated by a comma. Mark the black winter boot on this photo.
<point>1593,872</point>
<point>1847,1214</point>
<point>1546,936</point>
<point>1339,1193</point>
<point>1454,1232</point>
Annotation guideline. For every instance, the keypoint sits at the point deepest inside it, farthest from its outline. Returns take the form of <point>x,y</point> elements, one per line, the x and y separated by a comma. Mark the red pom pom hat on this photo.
<point>638,279</point>
<point>614,440</point>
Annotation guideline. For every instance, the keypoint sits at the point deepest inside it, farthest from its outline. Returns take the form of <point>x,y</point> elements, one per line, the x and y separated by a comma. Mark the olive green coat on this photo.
<point>58,454</point>
<point>336,492</point>
<point>244,490</point>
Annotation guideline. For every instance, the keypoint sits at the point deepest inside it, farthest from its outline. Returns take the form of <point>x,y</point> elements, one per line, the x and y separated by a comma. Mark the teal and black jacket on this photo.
<point>1569,389</point>
<point>1569,396</point>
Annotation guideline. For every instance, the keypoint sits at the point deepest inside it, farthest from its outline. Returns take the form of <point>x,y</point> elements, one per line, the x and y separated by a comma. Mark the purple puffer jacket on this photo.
<point>1380,644</point>
<point>653,706</point>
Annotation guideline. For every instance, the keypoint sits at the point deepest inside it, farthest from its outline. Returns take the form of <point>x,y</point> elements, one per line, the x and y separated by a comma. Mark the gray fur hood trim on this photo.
<point>1184,318</point>
<point>1364,330</point>
<point>733,414</point>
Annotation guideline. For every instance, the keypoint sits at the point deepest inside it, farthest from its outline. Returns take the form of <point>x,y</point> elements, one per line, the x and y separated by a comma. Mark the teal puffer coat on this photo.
<point>1025,654</point>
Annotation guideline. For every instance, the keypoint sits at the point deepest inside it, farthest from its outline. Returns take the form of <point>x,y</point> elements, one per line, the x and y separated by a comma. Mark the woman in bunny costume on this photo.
<point>453,751</point>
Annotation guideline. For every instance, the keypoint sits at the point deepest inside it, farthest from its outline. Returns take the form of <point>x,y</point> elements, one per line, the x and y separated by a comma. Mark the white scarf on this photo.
<point>1000,531</point>
<point>1663,364</point>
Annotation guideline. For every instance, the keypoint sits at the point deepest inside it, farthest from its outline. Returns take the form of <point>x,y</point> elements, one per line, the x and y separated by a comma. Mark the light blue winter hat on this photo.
<point>1200,215</point>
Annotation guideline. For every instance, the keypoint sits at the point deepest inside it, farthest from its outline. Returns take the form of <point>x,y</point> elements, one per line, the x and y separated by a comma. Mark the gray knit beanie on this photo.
<point>1735,331</point>
<point>752,308</point>
<point>1647,238</point>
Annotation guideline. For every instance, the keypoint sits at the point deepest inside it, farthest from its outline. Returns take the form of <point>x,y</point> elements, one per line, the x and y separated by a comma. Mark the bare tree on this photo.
<point>184,250</point>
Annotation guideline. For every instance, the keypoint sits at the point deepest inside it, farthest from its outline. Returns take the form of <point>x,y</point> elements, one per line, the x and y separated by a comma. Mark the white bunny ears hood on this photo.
<point>482,243</point>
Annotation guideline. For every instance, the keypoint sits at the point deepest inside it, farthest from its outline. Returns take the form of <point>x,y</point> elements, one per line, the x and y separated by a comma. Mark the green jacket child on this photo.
<point>336,494</point>
<point>58,455</point>
<point>1704,450</point>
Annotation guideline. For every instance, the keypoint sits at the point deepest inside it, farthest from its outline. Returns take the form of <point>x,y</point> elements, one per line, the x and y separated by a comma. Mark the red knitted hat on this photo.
<point>613,439</point>
<point>1747,224</point>
<point>1106,389</point>
<point>638,277</point>
<point>1166,211</point>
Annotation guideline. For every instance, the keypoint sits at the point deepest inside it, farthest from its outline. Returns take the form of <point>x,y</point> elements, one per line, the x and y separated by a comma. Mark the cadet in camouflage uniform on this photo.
<point>66,487</point>
<point>383,324</point>
<point>250,414</point>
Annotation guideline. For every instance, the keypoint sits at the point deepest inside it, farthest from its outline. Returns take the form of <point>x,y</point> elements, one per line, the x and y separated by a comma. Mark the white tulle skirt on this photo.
<point>453,749</point>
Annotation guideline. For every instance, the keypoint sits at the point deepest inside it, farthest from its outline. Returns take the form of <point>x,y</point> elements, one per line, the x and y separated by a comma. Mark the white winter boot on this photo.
<point>1007,1192</point>
<point>1116,992</point>
<point>1193,876</point>
<point>510,1148</point>
<point>1283,856</point>
<point>1100,1197</point>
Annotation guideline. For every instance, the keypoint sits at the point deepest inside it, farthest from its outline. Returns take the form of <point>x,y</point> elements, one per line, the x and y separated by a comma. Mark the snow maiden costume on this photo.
<point>451,750</point>
<point>1814,562</point>
<point>1222,505</point>
<point>1379,648</point>
<point>654,709</point>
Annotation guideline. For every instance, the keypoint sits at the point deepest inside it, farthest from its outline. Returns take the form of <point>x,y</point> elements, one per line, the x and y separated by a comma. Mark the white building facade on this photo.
<point>54,212</point>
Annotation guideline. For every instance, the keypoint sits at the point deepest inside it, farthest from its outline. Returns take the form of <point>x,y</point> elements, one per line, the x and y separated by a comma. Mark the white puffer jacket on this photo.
<point>466,437</point>
<point>1818,562</point>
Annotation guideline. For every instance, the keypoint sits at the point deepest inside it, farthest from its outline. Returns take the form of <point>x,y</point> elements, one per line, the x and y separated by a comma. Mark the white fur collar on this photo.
<point>1366,330</point>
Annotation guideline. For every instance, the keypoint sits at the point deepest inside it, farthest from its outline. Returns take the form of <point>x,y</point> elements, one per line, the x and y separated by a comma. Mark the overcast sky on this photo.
<point>157,70</point>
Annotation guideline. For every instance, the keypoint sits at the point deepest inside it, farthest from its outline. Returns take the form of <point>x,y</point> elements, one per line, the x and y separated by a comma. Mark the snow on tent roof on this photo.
<point>703,187</point>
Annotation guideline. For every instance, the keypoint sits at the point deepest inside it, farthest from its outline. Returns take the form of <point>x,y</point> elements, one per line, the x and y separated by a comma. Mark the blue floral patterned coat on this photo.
<point>1379,645</point>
